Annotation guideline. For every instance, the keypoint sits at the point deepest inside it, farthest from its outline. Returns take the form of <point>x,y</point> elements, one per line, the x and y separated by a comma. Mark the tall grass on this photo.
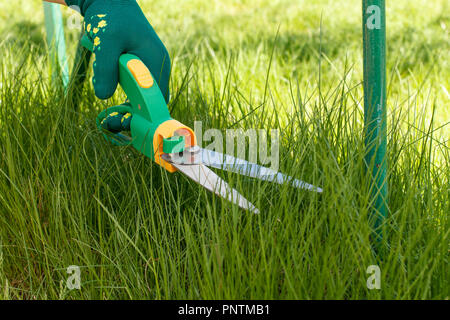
<point>69,198</point>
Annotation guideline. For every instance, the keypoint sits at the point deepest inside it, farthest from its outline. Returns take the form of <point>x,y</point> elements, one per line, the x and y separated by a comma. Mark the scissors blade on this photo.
<point>212,182</point>
<point>226,162</point>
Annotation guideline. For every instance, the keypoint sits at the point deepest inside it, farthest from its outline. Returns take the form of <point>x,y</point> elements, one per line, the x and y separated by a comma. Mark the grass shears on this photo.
<point>168,142</point>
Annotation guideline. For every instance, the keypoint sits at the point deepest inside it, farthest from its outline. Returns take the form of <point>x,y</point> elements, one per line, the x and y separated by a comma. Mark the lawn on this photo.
<point>67,197</point>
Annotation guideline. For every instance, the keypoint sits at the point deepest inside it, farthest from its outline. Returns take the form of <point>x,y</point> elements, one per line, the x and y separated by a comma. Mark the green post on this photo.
<point>56,42</point>
<point>374,41</point>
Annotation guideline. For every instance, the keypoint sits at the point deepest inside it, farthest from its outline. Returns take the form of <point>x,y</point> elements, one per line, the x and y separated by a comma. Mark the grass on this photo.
<point>137,232</point>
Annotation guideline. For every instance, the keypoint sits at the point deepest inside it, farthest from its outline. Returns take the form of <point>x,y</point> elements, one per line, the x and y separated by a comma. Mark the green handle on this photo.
<point>148,106</point>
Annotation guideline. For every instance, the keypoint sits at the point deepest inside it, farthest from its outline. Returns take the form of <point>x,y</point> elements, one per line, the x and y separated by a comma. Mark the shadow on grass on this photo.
<point>408,47</point>
<point>26,33</point>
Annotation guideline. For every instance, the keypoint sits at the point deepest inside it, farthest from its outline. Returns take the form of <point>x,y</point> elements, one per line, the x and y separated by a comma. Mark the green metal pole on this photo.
<point>56,42</point>
<point>374,40</point>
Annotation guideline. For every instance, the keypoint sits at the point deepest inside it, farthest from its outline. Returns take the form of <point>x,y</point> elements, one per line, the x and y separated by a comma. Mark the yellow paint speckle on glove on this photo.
<point>102,24</point>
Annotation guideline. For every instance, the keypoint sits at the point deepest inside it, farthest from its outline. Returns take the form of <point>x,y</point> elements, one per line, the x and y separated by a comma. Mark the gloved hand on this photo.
<point>116,27</point>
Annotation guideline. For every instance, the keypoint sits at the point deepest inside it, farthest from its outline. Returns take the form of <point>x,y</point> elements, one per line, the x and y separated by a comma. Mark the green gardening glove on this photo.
<point>117,27</point>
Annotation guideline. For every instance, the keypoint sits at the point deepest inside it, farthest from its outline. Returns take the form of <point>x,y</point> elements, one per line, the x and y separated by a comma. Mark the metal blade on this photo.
<point>211,181</point>
<point>232,164</point>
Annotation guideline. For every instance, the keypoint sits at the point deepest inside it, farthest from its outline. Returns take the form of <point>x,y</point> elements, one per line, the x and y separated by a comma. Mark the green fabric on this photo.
<point>116,122</point>
<point>116,27</point>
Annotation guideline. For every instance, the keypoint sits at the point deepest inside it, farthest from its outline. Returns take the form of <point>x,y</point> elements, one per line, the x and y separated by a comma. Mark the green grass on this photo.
<point>69,198</point>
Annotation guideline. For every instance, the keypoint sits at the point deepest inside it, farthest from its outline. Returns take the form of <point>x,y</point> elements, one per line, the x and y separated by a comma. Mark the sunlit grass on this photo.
<point>69,198</point>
